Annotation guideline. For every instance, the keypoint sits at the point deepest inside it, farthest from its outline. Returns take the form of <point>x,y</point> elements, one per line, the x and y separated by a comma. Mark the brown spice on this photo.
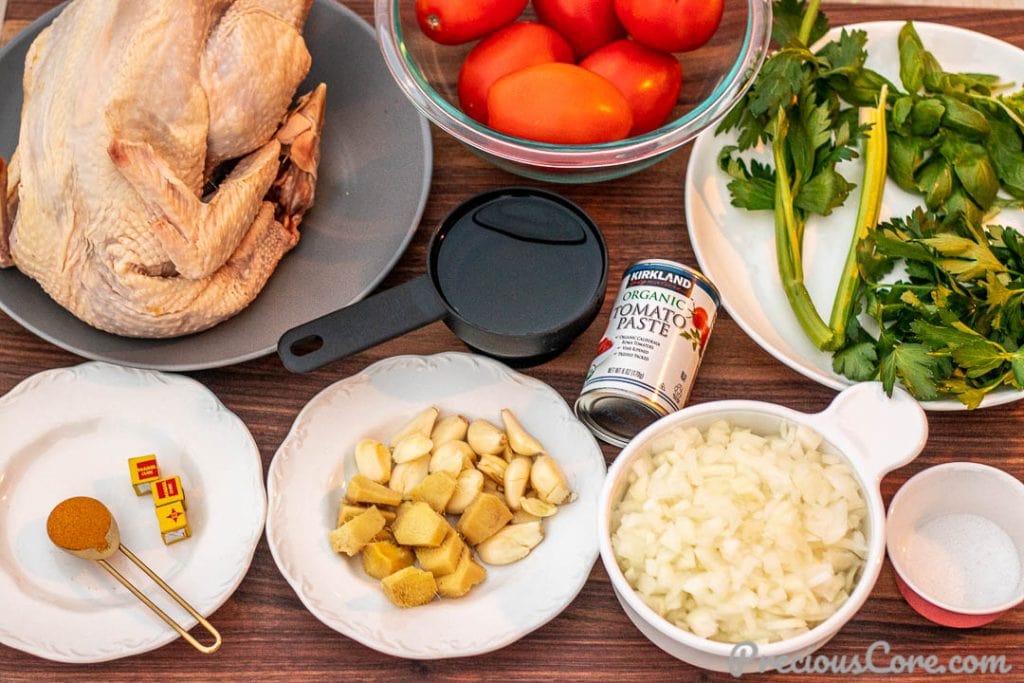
<point>79,523</point>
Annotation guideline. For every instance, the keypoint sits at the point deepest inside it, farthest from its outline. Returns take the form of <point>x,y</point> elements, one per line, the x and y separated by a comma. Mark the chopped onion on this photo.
<point>735,536</point>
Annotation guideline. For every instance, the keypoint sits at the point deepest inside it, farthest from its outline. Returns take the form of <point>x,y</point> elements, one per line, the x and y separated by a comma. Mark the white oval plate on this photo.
<point>736,248</point>
<point>306,482</point>
<point>70,432</point>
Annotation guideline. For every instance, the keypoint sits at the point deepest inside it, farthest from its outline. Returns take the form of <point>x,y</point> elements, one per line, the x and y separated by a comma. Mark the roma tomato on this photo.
<point>670,25</point>
<point>650,80</point>
<point>452,22</point>
<point>509,49</point>
<point>559,103</point>
<point>586,24</point>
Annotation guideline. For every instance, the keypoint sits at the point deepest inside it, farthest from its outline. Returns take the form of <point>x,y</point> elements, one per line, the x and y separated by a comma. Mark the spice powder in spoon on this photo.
<point>79,523</point>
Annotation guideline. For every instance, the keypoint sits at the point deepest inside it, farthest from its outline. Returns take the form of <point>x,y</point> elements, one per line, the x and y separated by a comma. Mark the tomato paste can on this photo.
<point>649,355</point>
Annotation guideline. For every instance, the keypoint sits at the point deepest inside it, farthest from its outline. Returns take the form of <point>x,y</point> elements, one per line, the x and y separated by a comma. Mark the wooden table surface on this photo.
<point>270,636</point>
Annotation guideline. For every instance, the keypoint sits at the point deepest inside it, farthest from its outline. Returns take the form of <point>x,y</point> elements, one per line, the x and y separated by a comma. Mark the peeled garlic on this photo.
<point>407,475</point>
<point>373,460</point>
<point>522,517</point>
<point>538,507</point>
<point>518,438</point>
<point>468,486</point>
<point>517,475</point>
<point>548,481</point>
<point>512,543</point>
<point>451,428</point>
<point>493,467</point>
<point>422,423</point>
<point>485,438</point>
<point>412,447</point>
<point>452,457</point>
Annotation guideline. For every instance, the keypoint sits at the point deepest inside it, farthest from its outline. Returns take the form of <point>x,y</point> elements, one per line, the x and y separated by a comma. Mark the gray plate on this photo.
<point>373,183</point>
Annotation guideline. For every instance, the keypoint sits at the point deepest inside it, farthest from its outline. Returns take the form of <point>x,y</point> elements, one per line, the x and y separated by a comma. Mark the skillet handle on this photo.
<point>364,324</point>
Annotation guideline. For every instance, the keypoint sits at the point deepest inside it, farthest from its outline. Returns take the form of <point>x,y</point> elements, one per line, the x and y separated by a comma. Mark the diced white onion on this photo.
<point>735,536</point>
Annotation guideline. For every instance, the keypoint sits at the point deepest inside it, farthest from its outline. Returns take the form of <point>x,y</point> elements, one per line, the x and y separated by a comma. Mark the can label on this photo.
<point>659,326</point>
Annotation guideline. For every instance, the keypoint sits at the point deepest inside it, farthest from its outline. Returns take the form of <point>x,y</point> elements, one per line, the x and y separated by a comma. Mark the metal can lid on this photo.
<point>699,278</point>
<point>615,417</point>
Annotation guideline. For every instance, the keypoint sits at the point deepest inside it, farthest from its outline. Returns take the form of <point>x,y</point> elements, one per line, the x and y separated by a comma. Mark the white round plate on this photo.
<point>70,432</point>
<point>306,484</point>
<point>736,248</point>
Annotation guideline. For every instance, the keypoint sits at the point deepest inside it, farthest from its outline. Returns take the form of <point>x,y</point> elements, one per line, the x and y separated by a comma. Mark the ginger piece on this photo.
<point>444,558</point>
<point>385,558</point>
<point>347,511</point>
<point>351,536</point>
<point>436,490</point>
<point>484,517</point>
<point>409,587</point>
<point>419,525</point>
<point>466,575</point>
<point>364,490</point>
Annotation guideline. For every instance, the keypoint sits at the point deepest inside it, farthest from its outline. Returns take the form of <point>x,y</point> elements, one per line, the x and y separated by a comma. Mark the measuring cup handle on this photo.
<point>366,323</point>
<point>886,432</point>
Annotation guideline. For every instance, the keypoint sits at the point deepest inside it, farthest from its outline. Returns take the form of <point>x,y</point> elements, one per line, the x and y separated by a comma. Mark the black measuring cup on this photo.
<point>516,273</point>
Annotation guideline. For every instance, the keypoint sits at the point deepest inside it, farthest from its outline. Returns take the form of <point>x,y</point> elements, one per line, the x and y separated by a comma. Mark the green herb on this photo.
<point>953,323</point>
<point>793,106</point>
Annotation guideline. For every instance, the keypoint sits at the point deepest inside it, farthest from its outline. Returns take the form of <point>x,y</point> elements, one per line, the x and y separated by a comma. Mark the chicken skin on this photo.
<point>134,110</point>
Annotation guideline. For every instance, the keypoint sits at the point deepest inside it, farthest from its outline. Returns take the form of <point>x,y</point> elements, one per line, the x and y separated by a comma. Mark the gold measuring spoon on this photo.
<point>85,528</point>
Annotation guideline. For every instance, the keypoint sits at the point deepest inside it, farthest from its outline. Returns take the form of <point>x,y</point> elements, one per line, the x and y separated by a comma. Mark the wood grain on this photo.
<point>270,636</point>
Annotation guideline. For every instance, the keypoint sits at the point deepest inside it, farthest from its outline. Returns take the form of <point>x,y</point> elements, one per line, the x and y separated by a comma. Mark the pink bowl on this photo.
<point>955,536</point>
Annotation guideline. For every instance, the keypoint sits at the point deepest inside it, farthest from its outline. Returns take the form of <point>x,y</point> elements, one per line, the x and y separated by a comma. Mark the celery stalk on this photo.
<point>810,15</point>
<point>875,162</point>
<point>788,243</point>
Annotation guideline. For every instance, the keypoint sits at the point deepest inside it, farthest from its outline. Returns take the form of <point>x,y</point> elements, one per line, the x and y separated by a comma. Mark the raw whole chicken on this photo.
<point>161,172</point>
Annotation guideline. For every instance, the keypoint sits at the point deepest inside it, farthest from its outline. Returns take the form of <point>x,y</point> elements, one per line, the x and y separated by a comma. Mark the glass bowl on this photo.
<point>715,77</point>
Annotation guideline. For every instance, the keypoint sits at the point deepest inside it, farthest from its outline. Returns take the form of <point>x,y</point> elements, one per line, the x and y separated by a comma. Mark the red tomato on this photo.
<point>650,80</point>
<point>452,22</point>
<point>559,103</point>
<point>509,49</point>
<point>670,25</point>
<point>700,323</point>
<point>700,318</point>
<point>587,24</point>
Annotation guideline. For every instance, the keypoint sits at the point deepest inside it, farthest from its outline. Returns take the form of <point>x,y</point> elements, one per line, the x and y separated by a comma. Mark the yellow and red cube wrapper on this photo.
<point>169,490</point>
<point>173,523</point>
<point>144,471</point>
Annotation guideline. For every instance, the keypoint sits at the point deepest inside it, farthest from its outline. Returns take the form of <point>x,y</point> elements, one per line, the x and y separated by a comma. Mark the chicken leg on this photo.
<point>249,45</point>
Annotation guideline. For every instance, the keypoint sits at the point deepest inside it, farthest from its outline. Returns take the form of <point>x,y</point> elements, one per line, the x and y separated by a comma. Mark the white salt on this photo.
<point>964,560</point>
